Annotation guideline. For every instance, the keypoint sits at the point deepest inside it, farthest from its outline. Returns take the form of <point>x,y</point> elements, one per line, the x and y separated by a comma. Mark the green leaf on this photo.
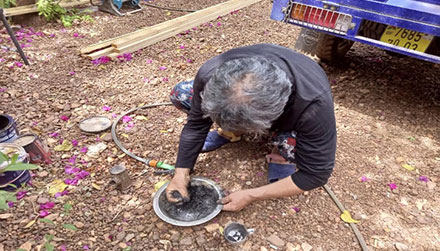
<point>127,248</point>
<point>20,249</point>
<point>69,226</point>
<point>12,185</point>
<point>49,247</point>
<point>47,221</point>
<point>3,157</point>
<point>67,207</point>
<point>20,167</point>
<point>3,204</point>
<point>48,237</point>
<point>14,158</point>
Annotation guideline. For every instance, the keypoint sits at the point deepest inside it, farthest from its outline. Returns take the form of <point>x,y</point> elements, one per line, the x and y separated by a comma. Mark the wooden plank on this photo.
<point>180,24</point>
<point>32,8</point>
<point>184,22</point>
<point>100,53</point>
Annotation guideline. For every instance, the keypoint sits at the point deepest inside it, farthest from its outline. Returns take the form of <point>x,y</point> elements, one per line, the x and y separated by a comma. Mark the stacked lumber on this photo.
<point>32,8</point>
<point>147,36</point>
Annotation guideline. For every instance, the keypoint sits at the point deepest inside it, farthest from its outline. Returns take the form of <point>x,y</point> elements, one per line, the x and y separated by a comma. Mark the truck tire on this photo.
<point>372,29</point>
<point>330,48</point>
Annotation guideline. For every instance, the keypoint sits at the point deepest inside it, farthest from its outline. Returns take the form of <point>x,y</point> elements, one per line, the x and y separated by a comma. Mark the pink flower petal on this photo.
<point>424,179</point>
<point>114,115</point>
<point>18,64</point>
<point>72,182</point>
<point>75,34</point>
<point>43,214</point>
<point>21,194</point>
<point>64,117</point>
<point>296,209</point>
<point>219,24</point>
<point>126,119</point>
<point>149,61</point>
<point>81,175</point>
<point>84,149</point>
<point>182,46</point>
<point>75,142</point>
<point>72,73</point>
<point>47,205</point>
<point>10,204</point>
<point>165,79</point>
<point>392,186</point>
<point>106,108</point>
<point>162,68</point>
<point>364,179</point>
<point>72,159</point>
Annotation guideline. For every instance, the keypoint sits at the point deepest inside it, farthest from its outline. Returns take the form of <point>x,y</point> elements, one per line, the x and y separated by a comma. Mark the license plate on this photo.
<point>405,38</point>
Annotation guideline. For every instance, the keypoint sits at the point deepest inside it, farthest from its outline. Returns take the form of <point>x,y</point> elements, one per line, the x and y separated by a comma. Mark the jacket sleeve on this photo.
<point>195,130</point>
<point>316,144</point>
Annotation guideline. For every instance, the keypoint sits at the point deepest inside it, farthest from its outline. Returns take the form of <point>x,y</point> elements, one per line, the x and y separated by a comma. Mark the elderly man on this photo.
<point>259,89</point>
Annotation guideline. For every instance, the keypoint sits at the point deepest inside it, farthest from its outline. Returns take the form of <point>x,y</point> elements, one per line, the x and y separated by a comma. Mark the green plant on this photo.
<point>52,11</point>
<point>47,245</point>
<point>11,165</point>
<point>7,3</point>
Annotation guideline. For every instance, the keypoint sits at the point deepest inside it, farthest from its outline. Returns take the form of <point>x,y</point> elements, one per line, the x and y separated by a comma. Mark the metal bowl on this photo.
<point>194,181</point>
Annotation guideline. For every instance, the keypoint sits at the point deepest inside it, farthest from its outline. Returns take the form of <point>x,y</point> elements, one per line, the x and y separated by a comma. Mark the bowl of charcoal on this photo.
<point>202,206</point>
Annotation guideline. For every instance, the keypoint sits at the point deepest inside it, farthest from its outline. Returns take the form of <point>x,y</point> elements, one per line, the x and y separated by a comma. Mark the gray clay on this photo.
<point>203,201</point>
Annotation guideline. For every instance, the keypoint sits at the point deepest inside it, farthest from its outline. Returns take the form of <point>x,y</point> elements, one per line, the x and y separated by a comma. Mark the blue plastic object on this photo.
<point>214,141</point>
<point>415,15</point>
<point>8,129</point>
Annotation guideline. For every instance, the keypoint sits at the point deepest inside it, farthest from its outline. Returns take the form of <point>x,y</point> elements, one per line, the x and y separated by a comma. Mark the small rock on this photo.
<point>364,91</point>
<point>120,236</point>
<point>291,247</point>
<point>276,241</point>
<point>42,174</point>
<point>78,224</point>
<point>263,248</point>
<point>201,240</point>
<point>306,246</point>
<point>357,216</point>
<point>42,200</point>
<point>26,246</point>
<point>175,236</point>
<point>400,160</point>
<point>400,246</point>
<point>248,183</point>
<point>186,241</point>
<point>122,245</point>
<point>129,237</point>
<point>283,235</point>
<point>212,227</point>
<point>431,185</point>
<point>107,137</point>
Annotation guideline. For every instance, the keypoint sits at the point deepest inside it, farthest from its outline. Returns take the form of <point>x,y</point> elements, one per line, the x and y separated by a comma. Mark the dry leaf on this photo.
<point>408,167</point>
<point>159,184</point>
<point>56,186</point>
<point>346,217</point>
<point>32,222</point>
<point>96,186</point>
<point>65,146</point>
<point>5,216</point>
<point>26,246</point>
<point>141,118</point>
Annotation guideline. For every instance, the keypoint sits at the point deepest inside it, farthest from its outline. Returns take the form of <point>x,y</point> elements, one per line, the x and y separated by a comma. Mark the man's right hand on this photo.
<point>177,190</point>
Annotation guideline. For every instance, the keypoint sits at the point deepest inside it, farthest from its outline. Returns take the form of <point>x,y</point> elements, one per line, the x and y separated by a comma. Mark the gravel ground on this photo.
<point>387,109</point>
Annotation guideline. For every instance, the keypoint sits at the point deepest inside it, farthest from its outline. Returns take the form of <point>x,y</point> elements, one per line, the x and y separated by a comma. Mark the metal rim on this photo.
<point>207,218</point>
<point>94,131</point>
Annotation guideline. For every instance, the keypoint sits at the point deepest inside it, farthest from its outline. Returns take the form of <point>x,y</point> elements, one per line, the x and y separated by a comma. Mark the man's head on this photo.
<point>246,94</point>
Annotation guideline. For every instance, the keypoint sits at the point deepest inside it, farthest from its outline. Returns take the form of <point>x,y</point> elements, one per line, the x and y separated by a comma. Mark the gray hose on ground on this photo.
<point>115,137</point>
<point>352,225</point>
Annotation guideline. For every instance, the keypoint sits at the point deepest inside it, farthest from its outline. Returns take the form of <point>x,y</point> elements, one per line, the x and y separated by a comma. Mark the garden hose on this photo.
<point>155,163</point>
<point>150,162</point>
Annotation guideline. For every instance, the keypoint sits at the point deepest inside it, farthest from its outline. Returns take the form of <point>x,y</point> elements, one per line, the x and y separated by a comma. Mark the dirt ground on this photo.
<point>387,110</point>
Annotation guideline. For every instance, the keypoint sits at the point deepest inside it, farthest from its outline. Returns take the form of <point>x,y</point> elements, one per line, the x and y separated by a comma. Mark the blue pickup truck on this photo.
<point>409,27</point>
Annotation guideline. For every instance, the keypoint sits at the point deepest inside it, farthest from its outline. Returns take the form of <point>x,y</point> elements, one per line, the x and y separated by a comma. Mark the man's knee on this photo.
<point>181,95</point>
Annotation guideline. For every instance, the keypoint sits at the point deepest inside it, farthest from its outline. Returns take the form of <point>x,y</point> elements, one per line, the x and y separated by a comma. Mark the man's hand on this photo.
<point>177,189</point>
<point>237,200</point>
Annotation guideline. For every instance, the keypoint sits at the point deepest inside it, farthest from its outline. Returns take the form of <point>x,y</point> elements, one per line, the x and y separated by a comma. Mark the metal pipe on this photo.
<point>12,35</point>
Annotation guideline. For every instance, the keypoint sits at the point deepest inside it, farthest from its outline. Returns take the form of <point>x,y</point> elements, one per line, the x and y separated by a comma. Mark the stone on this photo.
<point>357,216</point>
<point>120,236</point>
<point>400,246</point>
<point>283,235</point>
<point>129,237</point>
<point>42,174</point>
<point>186,241</point>
<point>200,240</point>
<point>78,224</point>
<point>175,236</point>
<point>306,246</point>
<point>25,246</point>
<point>107,137</point>
<point>42,200</point>
<point>276,241</point>
<point>431,185</point>
<point>122,245</point>
<point>212,227</point>
<point>291,247</point>
<point>248,183</point>
<point>263,248</point>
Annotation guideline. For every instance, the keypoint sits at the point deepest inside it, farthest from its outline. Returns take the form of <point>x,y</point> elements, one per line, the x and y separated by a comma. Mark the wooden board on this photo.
<point>147,36</point>
<point>175,26</point>
<point>32,8</point>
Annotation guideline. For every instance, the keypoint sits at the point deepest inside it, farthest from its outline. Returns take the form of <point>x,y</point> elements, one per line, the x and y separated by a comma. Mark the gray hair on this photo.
<point>246,94</point>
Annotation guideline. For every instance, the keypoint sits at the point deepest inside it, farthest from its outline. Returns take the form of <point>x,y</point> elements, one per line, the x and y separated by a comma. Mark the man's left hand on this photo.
<point>237,200</point>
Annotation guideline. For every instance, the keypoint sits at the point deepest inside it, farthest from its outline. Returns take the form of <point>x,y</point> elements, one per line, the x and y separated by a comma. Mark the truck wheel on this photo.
<point>330,47</point>
<point>372,29</point>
